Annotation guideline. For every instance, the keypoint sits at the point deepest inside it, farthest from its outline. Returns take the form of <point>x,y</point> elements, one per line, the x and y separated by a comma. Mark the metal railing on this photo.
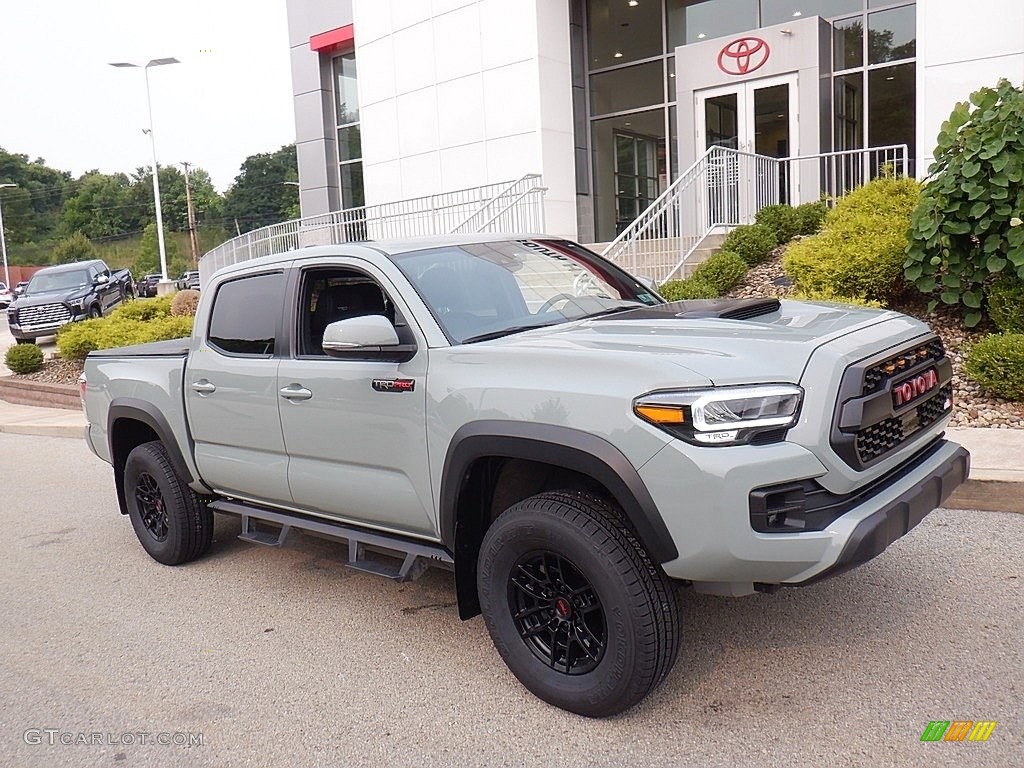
<point>726,187</point>
<point>515,206</point>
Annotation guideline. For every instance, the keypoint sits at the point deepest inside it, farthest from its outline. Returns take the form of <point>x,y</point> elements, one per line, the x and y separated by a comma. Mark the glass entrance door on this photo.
<point>757,117</point>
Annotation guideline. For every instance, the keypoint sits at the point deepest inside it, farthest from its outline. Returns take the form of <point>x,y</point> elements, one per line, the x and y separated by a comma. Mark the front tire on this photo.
<point>95,312</point>
<point>575,606</point>
<point>169,521</point>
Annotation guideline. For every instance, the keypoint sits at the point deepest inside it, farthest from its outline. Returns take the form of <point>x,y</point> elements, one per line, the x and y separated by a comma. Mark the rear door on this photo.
<point>355,429</point>
<point>231,391</point>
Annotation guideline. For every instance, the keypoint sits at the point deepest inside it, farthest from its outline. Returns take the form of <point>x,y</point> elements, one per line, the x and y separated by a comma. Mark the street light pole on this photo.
<point>3,241</point>
<point>156,173</point>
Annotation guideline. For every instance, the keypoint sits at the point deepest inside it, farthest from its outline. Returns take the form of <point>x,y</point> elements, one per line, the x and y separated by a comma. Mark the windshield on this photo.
<point>58,281</point>
<point>487,290</point>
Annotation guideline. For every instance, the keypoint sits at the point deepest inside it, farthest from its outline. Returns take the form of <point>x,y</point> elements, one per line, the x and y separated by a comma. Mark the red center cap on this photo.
<point>563,607</point>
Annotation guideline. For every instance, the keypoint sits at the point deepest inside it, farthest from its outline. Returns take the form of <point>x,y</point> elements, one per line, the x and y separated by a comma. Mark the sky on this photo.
<point>230,96</point>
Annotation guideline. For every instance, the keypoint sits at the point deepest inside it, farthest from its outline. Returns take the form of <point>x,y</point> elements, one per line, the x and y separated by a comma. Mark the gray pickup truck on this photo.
<point>527,414</point>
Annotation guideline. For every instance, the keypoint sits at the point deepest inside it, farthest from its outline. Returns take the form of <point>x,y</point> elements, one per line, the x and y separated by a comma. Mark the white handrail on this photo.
<point>725,188</point>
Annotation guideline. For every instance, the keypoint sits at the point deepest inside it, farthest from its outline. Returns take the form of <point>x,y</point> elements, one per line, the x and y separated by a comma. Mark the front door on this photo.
<point>758,119</point>
<point>354,428</point>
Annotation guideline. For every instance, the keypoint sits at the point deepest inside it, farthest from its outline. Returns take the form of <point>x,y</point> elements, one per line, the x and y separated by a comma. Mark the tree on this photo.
<point>148,260</point>
<point>75,247</point>
<point>259,196</point>
<point>31,210</point>
<point>100,205</point>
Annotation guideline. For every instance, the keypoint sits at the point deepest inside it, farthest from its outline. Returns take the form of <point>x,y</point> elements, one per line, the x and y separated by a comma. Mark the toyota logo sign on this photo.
<point>743,55</point>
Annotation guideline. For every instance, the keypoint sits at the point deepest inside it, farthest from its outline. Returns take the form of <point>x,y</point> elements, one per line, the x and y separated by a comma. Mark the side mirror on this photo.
<point>370,337</point>
<point>101,280</point>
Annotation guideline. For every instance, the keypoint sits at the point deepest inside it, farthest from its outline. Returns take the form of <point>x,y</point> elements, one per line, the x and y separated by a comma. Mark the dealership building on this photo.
<point>609,101</point>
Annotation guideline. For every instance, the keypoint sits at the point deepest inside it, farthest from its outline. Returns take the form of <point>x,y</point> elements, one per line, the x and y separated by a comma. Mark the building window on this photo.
<point>350,148</point>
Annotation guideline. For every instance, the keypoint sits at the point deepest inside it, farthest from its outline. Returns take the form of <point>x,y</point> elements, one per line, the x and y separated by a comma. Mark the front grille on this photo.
<point>43,316</point>
<point>876,376</point>
<point>878,439</point>
<point>873,415</point>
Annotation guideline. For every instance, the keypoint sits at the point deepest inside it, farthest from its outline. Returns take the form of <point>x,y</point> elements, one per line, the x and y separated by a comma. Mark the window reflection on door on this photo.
<point>755,117</point>
<point>638,164</point>
<point>771,130</point>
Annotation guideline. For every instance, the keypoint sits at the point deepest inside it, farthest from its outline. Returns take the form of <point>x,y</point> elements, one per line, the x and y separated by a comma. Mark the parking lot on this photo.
<point>283,657</point>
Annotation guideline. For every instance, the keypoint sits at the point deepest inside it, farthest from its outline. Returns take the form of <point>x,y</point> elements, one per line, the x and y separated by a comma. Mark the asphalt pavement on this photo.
<point>284,657</point>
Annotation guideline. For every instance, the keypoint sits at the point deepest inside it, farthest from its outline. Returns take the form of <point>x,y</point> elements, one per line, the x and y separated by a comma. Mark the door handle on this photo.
<point>295,392</point>
<point>204,387</point>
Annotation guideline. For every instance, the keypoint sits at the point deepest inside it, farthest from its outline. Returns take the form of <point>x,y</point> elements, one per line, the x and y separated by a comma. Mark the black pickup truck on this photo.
<point>65,294</point>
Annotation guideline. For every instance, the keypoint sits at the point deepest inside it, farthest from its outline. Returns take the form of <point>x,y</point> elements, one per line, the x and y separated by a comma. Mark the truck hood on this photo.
<point>771,347</point>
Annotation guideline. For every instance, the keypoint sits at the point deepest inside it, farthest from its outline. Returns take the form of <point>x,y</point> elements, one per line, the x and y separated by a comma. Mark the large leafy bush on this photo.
<point>997,363</point>
<point>967,225</point>
<point>144,309</point>
<point>860,252</point>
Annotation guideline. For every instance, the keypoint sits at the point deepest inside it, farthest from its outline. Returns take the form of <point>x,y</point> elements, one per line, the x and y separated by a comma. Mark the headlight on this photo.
<point>724,416</point>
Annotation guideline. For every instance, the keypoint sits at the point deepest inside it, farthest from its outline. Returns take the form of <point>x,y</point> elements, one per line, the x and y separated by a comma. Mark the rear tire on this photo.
<point>169,520</point>
<point>574,604</point>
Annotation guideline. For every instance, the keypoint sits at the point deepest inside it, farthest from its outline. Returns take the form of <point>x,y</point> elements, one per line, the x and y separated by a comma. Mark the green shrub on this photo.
<point>753,242</point>
<point>24,358</point>
<point>679,290</point>
<point>811,215</point>
<point>860,251</point>
<point>967,225</point>
<point>144,309</point>
<point>184,303</point>
<point>722,271</point>
<point>997,363</point>
<point>783,220</point>
<point>832,297</point>
<point>76,340</point>
<point>1006,304</point>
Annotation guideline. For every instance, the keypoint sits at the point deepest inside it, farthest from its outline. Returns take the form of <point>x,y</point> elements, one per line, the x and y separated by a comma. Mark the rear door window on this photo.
<point>246,314</point>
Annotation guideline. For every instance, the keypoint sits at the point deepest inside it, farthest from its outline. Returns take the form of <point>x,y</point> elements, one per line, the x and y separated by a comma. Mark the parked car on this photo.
<point>147,285</point>
<point>6,295</point>
<point>64,294</point>
<point>527,413</point>
<point>188,280</point>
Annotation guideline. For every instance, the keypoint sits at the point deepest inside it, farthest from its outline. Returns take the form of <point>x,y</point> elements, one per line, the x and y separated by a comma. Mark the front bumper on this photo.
<point>704,498</point>
<point>881,528</point>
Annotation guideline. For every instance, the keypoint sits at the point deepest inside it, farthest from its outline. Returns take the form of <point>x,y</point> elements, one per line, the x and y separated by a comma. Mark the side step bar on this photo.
<point>417,554</point>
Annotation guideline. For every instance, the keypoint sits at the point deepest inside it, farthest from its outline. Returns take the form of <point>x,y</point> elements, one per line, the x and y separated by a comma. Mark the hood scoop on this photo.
<point>693,309</point>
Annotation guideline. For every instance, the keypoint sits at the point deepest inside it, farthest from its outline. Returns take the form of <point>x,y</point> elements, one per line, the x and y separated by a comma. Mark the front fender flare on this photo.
<point>561,446</point>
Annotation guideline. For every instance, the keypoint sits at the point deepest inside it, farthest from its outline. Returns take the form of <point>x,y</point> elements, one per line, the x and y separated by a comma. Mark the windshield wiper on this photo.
<point>506,332</point>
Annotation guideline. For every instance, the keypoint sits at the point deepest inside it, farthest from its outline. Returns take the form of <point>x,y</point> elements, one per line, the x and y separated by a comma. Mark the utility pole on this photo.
<point>192,237</point>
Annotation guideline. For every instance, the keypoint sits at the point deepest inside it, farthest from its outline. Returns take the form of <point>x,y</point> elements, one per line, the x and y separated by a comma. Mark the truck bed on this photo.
<point>170,348</point>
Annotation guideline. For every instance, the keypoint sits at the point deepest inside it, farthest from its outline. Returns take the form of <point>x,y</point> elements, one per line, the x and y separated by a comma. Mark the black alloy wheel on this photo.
<point>557,612</point>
